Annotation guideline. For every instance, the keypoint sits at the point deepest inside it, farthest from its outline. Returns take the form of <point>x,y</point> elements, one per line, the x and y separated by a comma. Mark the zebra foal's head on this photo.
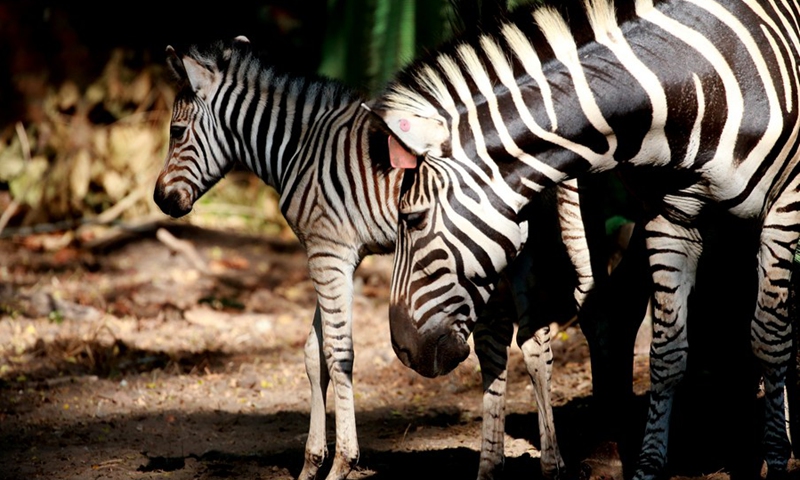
<point>198,155</point>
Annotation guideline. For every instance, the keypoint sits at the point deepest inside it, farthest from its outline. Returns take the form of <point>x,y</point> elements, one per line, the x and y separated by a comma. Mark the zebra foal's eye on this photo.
<point>176,131</point>
<point>414,220</point>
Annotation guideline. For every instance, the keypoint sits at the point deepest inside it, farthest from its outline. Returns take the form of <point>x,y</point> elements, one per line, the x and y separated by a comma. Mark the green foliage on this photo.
<point>367,41</point>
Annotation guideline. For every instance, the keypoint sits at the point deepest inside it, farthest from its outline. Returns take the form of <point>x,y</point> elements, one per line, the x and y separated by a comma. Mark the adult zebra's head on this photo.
<point>198,155</point>
<point>448,255</point>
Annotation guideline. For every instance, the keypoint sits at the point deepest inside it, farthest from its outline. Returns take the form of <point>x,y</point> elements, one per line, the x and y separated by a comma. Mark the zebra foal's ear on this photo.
<point>188,70</point>
<point>175,65</point>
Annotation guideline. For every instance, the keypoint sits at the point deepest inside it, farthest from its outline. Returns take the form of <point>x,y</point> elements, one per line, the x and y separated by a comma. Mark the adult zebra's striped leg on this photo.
<point>492,337</point>
<point>332,276</point>
<point>316,446</point>
<point>771,330</point>
<point>533,338</point>
<point>539,361</point>
<point>574,236</point>
<point>673,252</point>
<point>793,376</point>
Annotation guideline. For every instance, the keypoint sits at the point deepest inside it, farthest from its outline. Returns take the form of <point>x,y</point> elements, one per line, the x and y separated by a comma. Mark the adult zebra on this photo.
<point>704,92</point>
<point>311,141</point>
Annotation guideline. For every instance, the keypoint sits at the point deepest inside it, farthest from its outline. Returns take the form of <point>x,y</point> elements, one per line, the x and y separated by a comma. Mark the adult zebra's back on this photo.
<point>311,141</point>
<point>705,92</point>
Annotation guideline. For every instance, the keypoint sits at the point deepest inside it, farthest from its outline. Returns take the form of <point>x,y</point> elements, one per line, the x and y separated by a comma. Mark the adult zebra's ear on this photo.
<point>399,156</point>
<point>240,43</point>
<point>420,135</point>
<point>241,40</point>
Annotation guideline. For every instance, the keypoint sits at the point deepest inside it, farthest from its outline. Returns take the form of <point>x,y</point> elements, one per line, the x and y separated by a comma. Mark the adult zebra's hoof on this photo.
<point>604,463</point>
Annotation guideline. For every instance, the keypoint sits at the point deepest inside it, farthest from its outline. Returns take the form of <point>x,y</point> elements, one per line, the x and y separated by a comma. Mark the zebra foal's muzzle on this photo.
<point>432,353</point>
<point>175,203</point>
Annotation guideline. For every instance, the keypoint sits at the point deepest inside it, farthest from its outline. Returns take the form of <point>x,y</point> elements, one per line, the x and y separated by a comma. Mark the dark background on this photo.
<point>46,42</point>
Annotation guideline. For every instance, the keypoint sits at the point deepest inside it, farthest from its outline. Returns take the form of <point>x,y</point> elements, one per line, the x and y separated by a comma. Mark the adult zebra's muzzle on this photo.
<point>435,352</point>
<point>176,203</point>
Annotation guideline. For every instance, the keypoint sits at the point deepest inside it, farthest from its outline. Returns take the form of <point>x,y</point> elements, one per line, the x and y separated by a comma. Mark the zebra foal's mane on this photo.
<point>218,55</point>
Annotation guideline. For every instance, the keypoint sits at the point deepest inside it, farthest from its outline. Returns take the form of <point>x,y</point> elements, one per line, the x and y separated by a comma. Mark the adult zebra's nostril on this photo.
<point>176,203</point>
<point>451,350</point>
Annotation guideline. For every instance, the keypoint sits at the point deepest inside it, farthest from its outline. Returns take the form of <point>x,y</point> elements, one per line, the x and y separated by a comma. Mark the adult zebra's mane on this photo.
<point>528,32</point>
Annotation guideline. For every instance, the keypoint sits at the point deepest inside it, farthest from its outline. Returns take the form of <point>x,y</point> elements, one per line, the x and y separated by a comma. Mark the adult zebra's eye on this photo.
<point>176,131</point>
<point>414,220</point>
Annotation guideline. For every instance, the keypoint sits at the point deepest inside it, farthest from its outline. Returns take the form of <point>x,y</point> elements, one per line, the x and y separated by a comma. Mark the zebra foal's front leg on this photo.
<point>673,251</point>
<point>317,371</point>
<point>332,277</point>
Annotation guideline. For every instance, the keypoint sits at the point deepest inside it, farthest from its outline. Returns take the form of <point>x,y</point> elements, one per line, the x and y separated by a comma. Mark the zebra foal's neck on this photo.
<point>269,116</point>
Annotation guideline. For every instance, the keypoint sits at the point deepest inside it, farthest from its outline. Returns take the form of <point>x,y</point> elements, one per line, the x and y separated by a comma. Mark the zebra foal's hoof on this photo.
<point>342,466</point>
<point>311,466</point>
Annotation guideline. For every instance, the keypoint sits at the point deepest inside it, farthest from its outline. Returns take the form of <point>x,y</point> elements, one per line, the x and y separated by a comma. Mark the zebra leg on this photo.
<point>316,447</point>
<point>793,377</point>
<point>539,361</point>
<point>333,280</point>
<point>492,337</point>
<point>575,237</point>
<point>771,330</point>
<point>534,341</point>
<point>673,251</point>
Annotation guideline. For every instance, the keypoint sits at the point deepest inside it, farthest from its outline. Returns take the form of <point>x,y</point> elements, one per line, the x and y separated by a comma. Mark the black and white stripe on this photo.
<point>311,141</point>
<point>705,92</point>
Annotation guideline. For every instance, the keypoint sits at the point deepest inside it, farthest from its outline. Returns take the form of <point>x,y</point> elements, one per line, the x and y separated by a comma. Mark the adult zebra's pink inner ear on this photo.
<point>399,156</point>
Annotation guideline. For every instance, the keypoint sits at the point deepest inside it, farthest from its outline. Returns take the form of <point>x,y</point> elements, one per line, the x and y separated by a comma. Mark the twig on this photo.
<point>23,141</point>
<point>183,247</point>
<point>111,214</point>
<point>26,154</point>
<point>405,433</point>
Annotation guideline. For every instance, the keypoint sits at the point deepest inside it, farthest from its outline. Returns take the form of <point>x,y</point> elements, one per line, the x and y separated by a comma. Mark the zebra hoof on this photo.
<point>342,466</point>
<point>778,475</point>
<point>311,466</point>
<point>604,463</point>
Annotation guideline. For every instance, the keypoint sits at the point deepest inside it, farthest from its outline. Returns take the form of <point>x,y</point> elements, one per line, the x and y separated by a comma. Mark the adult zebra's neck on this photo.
<point>269,116</point>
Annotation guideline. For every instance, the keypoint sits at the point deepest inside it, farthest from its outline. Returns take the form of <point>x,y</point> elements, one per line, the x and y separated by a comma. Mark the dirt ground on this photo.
<point>136,359</point>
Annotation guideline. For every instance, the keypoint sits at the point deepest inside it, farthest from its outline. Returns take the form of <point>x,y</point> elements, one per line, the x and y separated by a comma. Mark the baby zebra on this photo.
<point>311,141</point>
